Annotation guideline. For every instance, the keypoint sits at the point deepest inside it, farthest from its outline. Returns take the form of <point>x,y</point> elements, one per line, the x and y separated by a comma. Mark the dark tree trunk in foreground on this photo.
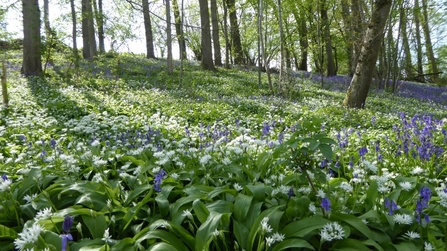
<point>32,61</point>
<point>327,41</point>
<point>148,30</point>
<point>74,34</point>
<point>88,31</point>
<point>207,53</point>
<point>361,81</point>
<point>100,23</point>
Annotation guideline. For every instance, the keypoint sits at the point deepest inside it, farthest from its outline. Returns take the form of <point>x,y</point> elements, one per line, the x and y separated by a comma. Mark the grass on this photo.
<point>119,155</point>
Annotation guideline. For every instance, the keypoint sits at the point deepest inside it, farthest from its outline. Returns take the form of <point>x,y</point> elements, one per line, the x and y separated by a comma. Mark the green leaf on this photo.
<point>200,210</point>
<point>240,232</point>
<point>124,244</point>
<point>326,150</point>
<point>96,224</point>
<point>349,245</point>
<point>205,231</point>
<point>87,245</point>
<point>7,233</point>
<point>161,246</point>
<point>131,213</point>
<point>354,222</point>
<point>292,243</point>
<point>242,203</point>
<point>258,191</point>
<point>257,224</point>
<point>406,246</point>
<point>305,226</point>
<point>371,196</point>
<point>163,235</point>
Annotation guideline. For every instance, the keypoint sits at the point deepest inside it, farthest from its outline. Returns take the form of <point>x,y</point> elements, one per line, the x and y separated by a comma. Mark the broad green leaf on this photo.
<point>240,232</point>
<point>305,226</point>
<point>161,246</point>
<point>349,245</point>
<point>221,206</point>
<point>258,191</point>
<point>326,150</point>
<point>87,245</point>
<point>205,231</point>
<point>371,196</point>
<point>373,243</point>
<point>354,222</point>
<point>242,204</point>
<point>200,210</point>
<point>124,244</point>
<point>7,233</point>
<point>292,243</point>
<point>163,235</point>
<point>96,224</point>
<point>406,246</point>
<point>183,201</point>
<point>257,224</point>
<point>131,213</point>
<point>220,190</point>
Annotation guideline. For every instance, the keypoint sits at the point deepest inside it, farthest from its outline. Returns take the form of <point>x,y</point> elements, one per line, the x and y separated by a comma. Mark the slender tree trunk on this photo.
<point>304,43</point>
<point>433,67</point>
<point>216,42</point>
<point>349,38</point>
<point>100,23</point>
<point>148,30</point>
<point>32,61</point>
<point>48,33</point>
<point>357,28</point>
<point>4,85</point>
<point>406,46</point>
<point>227,40</point>
<point>417,23</point>
<point>282,50</point>
<point>88,31</point>
<point>91,31</point>
<point>179,30</point>
<point>327,41</point>
<point>235,34</point>
<point>74,34</point>
<point>207,52</point>
<point>264,57</point>
<point>169,38</point>
<point>359,87</point>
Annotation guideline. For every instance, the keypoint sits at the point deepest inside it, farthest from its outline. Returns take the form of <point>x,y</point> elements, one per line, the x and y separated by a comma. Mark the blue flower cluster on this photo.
<point>391,205</point>
<point>158,179</point>
<point>66,227</point>
<point>422,203</point>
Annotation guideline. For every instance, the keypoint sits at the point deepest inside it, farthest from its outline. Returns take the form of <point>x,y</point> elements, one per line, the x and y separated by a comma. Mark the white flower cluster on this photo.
<point>265,227</point>
<point>276,237</point>
<point>332,231</point>
<point>29,235</point>
<point>4,184</point>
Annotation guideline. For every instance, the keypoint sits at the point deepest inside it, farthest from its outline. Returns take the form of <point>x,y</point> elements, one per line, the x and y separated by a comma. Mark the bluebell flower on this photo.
<point>53,143</point>
<point>326,204</point>
<point>4,177</point>
<point>158,179</point>
<point>363,151</point>
<point>291,193</point>
<point>391,205</point>
<point>422,203</point>
<point>66,227</point>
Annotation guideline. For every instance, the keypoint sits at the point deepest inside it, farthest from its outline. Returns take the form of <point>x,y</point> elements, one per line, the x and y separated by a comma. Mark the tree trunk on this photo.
<point>357,32</point>
<point>281,45</point>
<point>169,36</point>
<point>32,61</point>
<point>433,67</point>
<point>302,31</point>
<point>88,31</point>
<point>417,24</point>
<point>74,34</point>
<point>227,40</point>
<point>264,57</point>
<point>207,52</point>
<point>4,85</point>
<point>216,42</point>
<point>100,23</point>
<point>179,30</point>
<point>148,30</point>
<point>327,41</point>
<point>406,46</point>
<point>235,34</point>
<point>48,33</point>
<point>349,38</point>
<point>359,87</point>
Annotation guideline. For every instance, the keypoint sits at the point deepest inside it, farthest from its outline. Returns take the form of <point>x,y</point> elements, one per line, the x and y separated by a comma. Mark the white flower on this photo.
<point>28,235</point>
<point>321,194</point>
<point>417,170</point>
<point>265,227</point>
<point>107,237</point>
<point>205,159</point>
<point>216,233</point>
<point>187,213</point>
<point>4,184</point>
<point>269,241</point>
<point>44,214</point>
<point>312,208</point>
<point>29,198</point>
<point>346,187</point>
<point>428,246</point>
<point>278,237</point>
<point>332,231</point>
<point>237,187</point>
<point>304,190</point>
<point>175,176</point>
<point>412,235</point>
<point>403,219</point>
<point>406,186</point>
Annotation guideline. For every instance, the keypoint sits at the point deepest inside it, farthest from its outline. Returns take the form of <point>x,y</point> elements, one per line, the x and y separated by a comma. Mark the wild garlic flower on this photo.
<point>4,183</point>
<point>237,187</point>
<point>412,235</point>
<point>265,227</point>
<point>107,237</point>
<point>345,186</point>
<point>406,186</point>
<point>28,235</point>
<point>44,214</point>
<point>187,213</point>
<point>278,237</point>
<point>332,231</point>
<point>312,208</point>
<point>403,219</point>
<point>428,246</point>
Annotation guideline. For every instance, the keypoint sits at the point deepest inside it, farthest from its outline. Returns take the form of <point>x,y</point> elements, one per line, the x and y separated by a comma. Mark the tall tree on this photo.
<point>361,81</point>
<point>330,63</point>
<point>179,30</point>
<point>169,36</point>
<point>282,47</point>
<point>74,34</point>
<point>215,25</point>
<point>148,30</point>
<point>408,67</point>
<point>48,33</point>
<point>234,33</point>
<point>99,16</point>
<point>207,52</point>
<point>32,61</point>
<point>433,67</point>
<point>88,31</point>
<point>417,24</point>
<point>299,14</point>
